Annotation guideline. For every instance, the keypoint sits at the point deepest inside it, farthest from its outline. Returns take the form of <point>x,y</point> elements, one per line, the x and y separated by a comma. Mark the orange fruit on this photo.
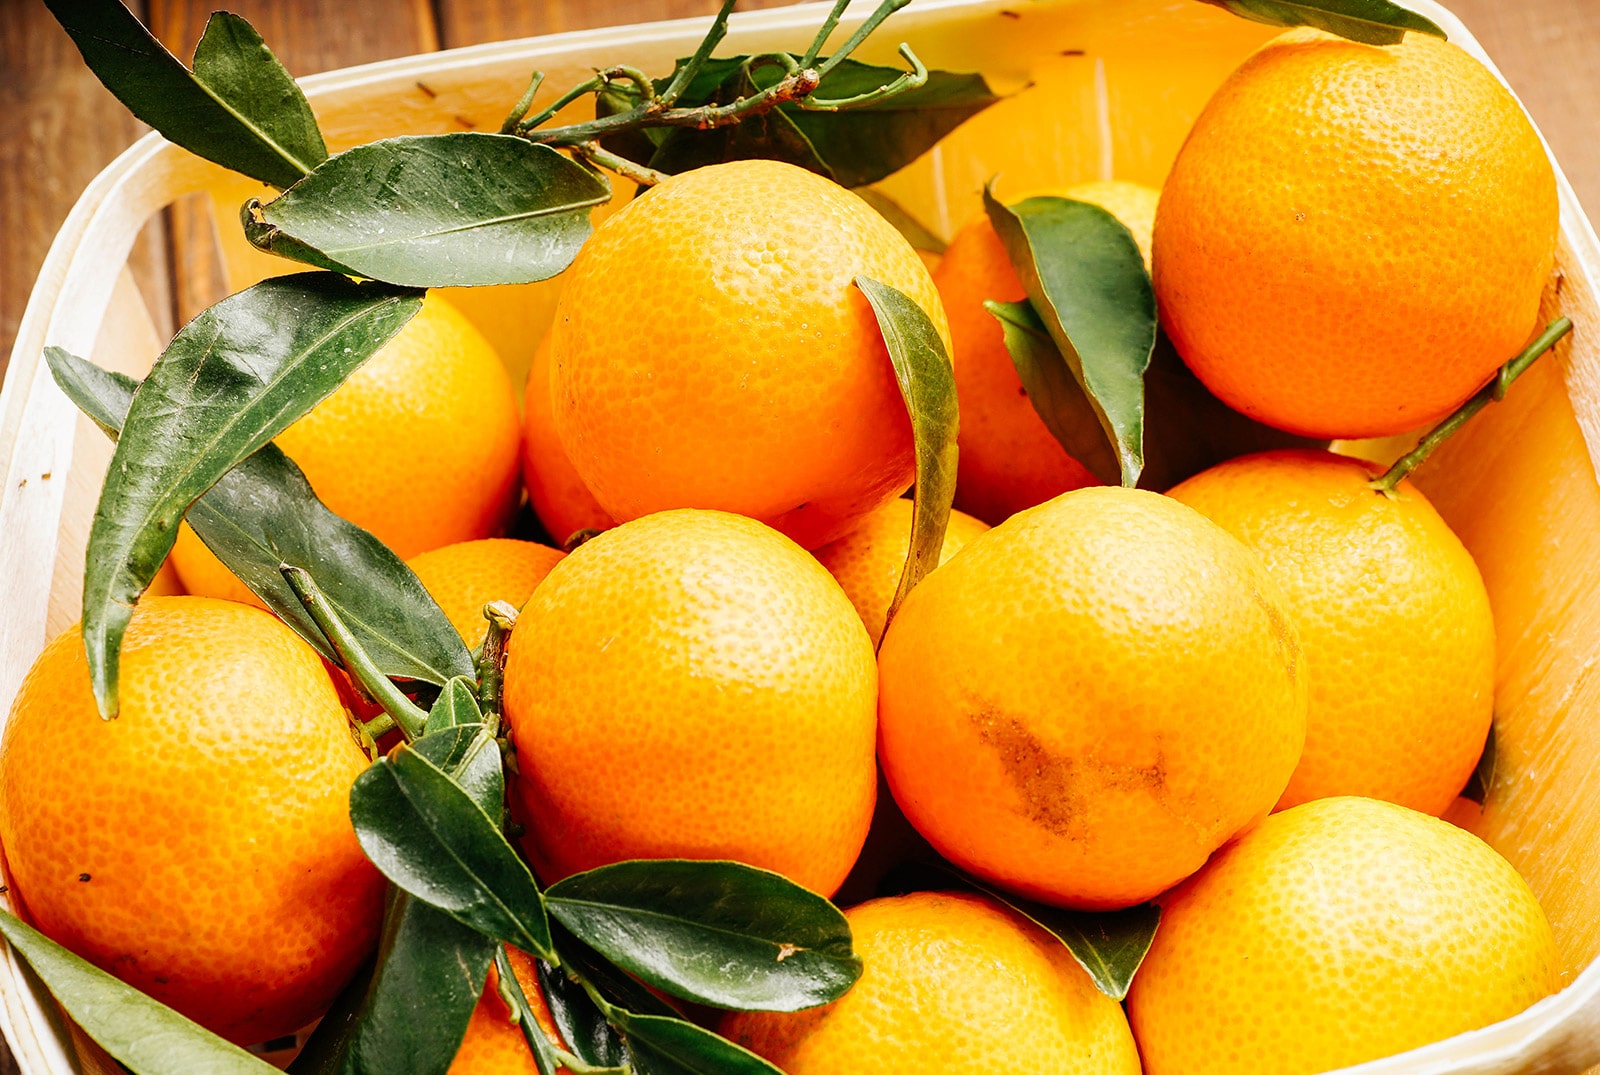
<point>869,559</point>
<point>692,684</point>
<point>1354,237</point>
<point>1394,621</point>
<point>494,1045</point>
<point>420,446</point>
<point>466,576</point>
<point>1091,698</point>
<point>711,350</point>
<point>198,846</point>
<point>559,497</point>
<point>1337,932</point>
<point>950,983</point>
<point>1008,459</point>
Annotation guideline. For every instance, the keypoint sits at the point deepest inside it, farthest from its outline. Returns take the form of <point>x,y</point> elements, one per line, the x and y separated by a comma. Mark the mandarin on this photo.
<point>1394,622</point>
<point>198,846</point>
<point>1336,932</point>
<point>1091,698</point>
<point>1354,237</point>
<point>464,577</point>
<point>951,983</point>
<point>560,499</point>
<point>868,560</point>
<point>494,1044</point>
<point>711,350</point>
<point>420,446</point>
<point>692,684</point>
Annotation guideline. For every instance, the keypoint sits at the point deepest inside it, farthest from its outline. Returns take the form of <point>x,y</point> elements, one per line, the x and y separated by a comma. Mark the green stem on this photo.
<point>522,1013</point>
<point>821,39</point>
<point>885,9</point>
<point>502,618</point>
<point>588,85</point>
<point>685,74</point>
<point>525,102</point>
<point>912,79</point>
<point>595,153</point>
<point>1489,393</point>
<point>351,654</point>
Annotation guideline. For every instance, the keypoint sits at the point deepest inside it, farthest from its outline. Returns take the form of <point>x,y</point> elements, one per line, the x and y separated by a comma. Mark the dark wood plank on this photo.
<point>308,36</point>
<point>1547,51</point>
<point>471,22</point>
<point>58,128</point>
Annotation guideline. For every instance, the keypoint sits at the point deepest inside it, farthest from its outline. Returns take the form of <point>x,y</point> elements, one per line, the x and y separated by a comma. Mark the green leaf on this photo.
<point>928,385</point>
<point>456,706</point>
<point>146,1035</point>
<point>918,234</point>
<point>1375,22</point>
<point>239,107</point>
<point>1482,778</point>
<point>581,1025</point>
<point>426,833</point>
<point>263,513</point>
<point>1086,279</point>
<point>616,986</point>
<point>1056,396</point>
<point>718,933</point>
<point>663,1046</point>
<point>409,1016</point>
<point>230,381</point>
<point>854,146</point>
<point>440,210</point>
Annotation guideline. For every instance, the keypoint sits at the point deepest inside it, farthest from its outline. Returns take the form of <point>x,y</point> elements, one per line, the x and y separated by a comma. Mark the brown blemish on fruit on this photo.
<point>1042,778</point>
<point>1283,638</point>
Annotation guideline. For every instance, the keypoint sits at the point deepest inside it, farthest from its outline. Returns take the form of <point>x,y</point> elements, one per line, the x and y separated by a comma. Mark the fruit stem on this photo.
<point>822,33</point>
<point>525,102</point>
<point>548,1056</point>
<point>686,73</point>
<point>873,21</point>
<point>1489,393</point>
<point>596,154</point>
<point>502,618</point>
<point>351,654</point>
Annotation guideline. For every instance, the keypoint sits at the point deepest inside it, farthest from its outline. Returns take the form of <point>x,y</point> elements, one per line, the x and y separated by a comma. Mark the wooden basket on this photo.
<point>1112,86</point>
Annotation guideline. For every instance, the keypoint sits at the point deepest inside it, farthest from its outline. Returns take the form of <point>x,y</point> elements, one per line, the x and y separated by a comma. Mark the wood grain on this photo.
<point>58,128</point>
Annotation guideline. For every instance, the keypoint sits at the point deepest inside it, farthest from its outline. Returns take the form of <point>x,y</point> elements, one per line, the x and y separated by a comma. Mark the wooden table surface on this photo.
<point>58,127</point>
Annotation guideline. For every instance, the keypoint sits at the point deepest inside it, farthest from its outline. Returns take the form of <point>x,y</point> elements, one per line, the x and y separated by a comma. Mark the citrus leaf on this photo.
<point>263,514</point>
<point>230,381</point>
<point>429,835</point>
<point>616,986</point>
<point>1187,429</point>
<point>918,234</point>
<point>718,933</point>
<point>853,146</point>
<point>663,1046</point>
<point>239,107</point>
<point>456,706</point>
<point>1056,396</point>
<point>407,1017</point>
<point>146,1035</point>
<point>1482,778</point>
<point>1374,22</point>
<point>438,210</point>
<point>1086,279</point>
<point>581,1025</point>
<point>928,386</point>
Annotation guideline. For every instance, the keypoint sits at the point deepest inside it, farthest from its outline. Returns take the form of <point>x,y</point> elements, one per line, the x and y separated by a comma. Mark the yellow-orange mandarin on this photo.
<point>555,488</point>
<point>693,684</point>
<point>1354,236</point>
<point>951,983</point>
<point>1337,932</point>
<point>1091,698</point>
<point>466,576</point>
<point>711,350</point>
<point>198,846</point>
